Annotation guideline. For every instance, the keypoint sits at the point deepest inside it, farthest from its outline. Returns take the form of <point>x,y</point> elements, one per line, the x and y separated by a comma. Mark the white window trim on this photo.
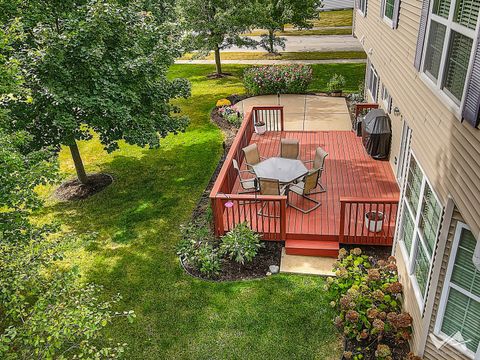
<point>388,101</point>
<point>385,18</point>
<point>359,10</point>
<point>405,142</point>
<point>373,72</point>
<point>417,235</point>
<point>436,86</point>
<point>446,291</point>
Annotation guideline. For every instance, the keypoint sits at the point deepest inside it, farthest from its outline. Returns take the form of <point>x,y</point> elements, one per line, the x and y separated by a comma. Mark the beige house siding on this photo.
<point>446,352</point>
<point>448,151</point>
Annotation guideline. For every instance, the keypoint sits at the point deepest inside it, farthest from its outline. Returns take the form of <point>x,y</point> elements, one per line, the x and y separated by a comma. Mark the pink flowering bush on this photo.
<point>277,79</point>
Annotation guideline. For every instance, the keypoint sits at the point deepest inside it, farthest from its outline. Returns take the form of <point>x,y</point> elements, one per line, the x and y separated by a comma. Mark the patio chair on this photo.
<point>252,156</point>
<point>269,187</point>
<point>318,163</point>
<point>249,185</point>
<point>304,188</point>
<point>289,148</point>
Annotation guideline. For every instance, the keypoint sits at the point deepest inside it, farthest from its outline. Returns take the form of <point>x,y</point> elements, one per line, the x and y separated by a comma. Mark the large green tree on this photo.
<point>97,65</point>
<point>45,311</point>
<point>272,15</point>
<point>214,25</point>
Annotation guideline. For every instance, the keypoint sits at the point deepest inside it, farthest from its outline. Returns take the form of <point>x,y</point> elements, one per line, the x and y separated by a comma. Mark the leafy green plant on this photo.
<point>231,115</point>
<point>367,296</point>
<point>337,82</point>
<point>277,79</point>
<point>197,251</point>
<point>241,244</point>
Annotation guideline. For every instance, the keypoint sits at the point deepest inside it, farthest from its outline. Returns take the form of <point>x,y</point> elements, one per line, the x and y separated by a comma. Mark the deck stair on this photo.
<point>312,247</point>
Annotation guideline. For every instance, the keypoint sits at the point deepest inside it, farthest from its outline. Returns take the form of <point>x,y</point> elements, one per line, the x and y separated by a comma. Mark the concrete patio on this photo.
<point>306,112</point>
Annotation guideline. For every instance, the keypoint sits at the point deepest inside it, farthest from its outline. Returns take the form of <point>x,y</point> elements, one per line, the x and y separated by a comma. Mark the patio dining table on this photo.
<point>285,170</point>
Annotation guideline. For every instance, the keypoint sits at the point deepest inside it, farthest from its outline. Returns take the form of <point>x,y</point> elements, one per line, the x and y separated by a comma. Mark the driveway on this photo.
<point>312,43</point>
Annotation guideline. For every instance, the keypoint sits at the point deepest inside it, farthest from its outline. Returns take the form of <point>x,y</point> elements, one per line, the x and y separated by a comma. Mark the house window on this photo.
<point>452,29</point>
<point>459,312</point>
<point>362,6</point>
<point>387,99</point>
<point>373,82</point>
<point>388,9</point>
<point>419,227</point>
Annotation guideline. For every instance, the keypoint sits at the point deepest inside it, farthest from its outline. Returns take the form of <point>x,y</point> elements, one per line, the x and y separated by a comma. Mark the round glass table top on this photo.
<point>285,170</point>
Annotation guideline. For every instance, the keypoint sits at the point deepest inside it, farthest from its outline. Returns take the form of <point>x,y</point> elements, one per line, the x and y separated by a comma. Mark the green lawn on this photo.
<point>304,55</point>
<point>138,219</point>
<point>331,22</point>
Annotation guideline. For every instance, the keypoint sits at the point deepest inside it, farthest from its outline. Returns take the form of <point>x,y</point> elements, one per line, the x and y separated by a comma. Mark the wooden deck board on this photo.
<point>349,171</point>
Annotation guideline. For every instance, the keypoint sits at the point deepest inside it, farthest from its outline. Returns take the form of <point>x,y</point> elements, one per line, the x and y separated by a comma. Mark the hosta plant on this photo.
<point>241,244</point>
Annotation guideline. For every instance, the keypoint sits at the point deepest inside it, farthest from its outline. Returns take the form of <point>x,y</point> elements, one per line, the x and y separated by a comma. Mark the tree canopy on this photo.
<point>97,65</point>
<point>45,312</point>
<point>214,25</point>
<point>272,15</point>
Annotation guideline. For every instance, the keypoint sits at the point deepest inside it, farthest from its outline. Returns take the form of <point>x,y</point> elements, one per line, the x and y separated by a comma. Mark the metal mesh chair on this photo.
<point>318,163</point>
<point>289,148</point>
<point>304,189</point>
<point>249,185</point>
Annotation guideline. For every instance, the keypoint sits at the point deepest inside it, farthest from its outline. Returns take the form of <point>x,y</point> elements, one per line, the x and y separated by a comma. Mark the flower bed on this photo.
<point>277,79</point>
<point>367,296</point>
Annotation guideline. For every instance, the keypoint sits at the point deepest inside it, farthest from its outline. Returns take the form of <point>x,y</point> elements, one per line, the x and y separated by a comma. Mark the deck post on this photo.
<point>283,219</point>
<point>342,222</point>
<point>282,120</point>
<point>218,215</point>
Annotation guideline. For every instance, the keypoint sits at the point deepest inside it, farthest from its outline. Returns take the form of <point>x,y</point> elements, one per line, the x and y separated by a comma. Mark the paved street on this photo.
<point>313,43</point>
<point>337,4</point>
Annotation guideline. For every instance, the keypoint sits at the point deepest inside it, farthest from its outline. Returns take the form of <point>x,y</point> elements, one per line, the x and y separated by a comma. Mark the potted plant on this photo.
<point>335,85</point>
<point>374,221</point>
<point>260,127</point>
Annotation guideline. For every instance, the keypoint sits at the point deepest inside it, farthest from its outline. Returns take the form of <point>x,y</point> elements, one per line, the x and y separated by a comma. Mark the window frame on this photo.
<point>373,72</point>
<point>417,237</point>
<point>387,101</point>
<point>359,9</point>
<point>447,285</point>
<point>384,16</point>
<point>437,86</point>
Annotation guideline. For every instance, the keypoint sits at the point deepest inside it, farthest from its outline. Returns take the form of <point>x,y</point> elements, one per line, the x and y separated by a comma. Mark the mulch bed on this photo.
<point>74,190</point>
<point>268,255</point>
<point>399,351</point>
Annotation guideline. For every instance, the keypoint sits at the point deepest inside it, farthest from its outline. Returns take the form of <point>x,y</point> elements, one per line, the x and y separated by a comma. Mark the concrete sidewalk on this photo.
<point>273,62</point>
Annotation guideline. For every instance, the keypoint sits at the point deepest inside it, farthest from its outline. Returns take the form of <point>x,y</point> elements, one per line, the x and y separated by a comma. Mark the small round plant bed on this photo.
<point>268,255</point>
<point>74,190</point>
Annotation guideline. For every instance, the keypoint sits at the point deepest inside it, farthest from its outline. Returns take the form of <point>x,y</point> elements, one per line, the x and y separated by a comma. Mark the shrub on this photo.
<point>277,79</point>
<point>336,83</point>
<point>231,115</point>
<point>197,251</point>
<point>223,102</point>
<point>240,244</point>
<point>366,294</point>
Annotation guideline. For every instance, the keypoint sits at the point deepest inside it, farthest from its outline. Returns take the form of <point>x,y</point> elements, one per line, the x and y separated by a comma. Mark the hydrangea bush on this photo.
<point>277,79</point>
<point>367,296</point>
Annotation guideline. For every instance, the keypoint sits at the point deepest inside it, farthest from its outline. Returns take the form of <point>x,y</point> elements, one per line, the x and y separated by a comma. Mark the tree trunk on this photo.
<point>218,63</point>
<point>77,160</point>
<point>271,37</point>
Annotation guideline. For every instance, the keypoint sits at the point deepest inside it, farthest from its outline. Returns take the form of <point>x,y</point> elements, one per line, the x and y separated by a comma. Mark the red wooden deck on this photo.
<point>349,172</point>
<point>355,184</point>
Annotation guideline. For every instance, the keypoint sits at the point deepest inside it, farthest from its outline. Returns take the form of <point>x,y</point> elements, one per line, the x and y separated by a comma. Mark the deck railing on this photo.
<point>264,214</point>
<point>357,228</point>
<point>361,108</point>
<point>272,116</point>
<point>231,209</point>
